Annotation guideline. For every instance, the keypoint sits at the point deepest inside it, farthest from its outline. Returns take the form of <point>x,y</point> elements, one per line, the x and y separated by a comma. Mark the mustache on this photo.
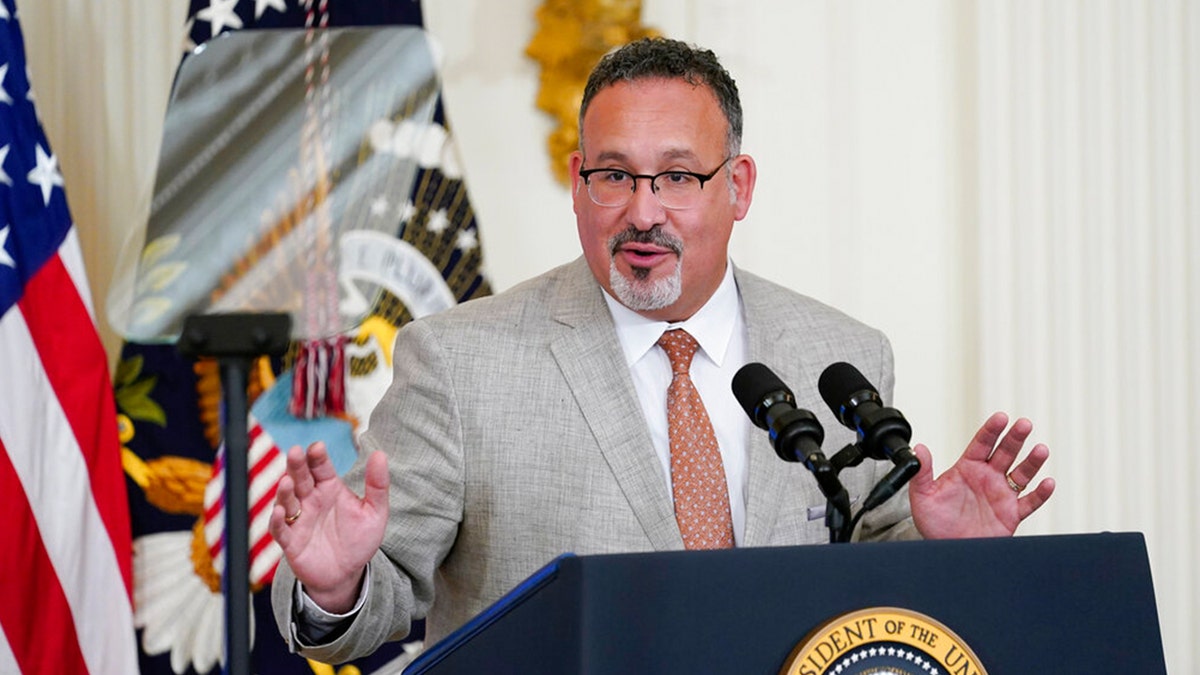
<point>654,236</point>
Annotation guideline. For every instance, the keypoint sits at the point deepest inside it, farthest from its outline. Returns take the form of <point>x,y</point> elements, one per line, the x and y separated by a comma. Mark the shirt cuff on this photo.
<point>313,626</point>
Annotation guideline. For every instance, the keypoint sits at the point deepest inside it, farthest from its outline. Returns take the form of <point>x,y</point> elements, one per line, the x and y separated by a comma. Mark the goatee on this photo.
<point>640,293</point>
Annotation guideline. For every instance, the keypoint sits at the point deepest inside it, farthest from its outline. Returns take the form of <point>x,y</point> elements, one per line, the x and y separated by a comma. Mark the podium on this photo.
<point>1041,604</point>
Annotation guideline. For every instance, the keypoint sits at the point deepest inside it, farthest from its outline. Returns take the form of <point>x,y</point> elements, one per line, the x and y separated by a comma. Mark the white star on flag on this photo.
<point>438,222</point>
<point>4,12</point>
<point>4,97</point>
<point>466,240</point>
<point>220,14</point>
<point>5,258</point>
<point>45,175</point>
<point>4,177</point>
<point>379,206</point>
<point>261,6</point>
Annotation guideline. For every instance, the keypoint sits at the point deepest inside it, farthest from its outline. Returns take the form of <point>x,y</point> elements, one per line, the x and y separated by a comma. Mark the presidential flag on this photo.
<point>170,407</point>
<point>65,580</point>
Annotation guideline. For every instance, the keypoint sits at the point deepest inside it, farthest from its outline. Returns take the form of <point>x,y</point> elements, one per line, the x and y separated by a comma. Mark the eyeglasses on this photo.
<point>674,189</point>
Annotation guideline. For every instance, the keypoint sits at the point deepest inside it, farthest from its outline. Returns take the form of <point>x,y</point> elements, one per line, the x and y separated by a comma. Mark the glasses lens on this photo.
<point>610,188</point>
<point>677,190</point>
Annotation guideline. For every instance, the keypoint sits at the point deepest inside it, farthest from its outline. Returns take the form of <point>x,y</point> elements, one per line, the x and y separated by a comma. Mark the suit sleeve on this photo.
<point>892,520</point>
<point>417,425</point>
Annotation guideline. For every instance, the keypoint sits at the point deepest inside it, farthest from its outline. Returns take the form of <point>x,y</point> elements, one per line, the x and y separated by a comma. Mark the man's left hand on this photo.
<point>983,494</point>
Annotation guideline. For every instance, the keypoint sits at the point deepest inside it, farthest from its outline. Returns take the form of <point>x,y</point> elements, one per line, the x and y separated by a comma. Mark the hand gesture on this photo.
<point>328,533</point>
<point>979,496</point>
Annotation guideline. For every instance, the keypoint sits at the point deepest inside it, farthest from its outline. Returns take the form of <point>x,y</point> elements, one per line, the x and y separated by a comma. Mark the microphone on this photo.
<point>883,433</point>
<point>795,433</point>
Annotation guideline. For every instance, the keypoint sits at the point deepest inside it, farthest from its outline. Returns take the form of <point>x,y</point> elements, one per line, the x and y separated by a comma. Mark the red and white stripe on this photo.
<point>65,579</point>
<point>267,465</point>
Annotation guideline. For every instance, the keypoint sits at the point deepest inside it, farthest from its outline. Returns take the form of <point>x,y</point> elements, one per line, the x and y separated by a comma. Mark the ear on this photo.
<point>574,163</point>
<point>745,173</point>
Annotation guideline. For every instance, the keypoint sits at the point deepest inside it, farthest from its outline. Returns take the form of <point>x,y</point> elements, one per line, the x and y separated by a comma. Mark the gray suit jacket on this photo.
<point>514,434</point>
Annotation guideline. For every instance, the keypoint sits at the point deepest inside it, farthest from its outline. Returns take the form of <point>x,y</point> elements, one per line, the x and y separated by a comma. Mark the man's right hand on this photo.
<point>328,533</point>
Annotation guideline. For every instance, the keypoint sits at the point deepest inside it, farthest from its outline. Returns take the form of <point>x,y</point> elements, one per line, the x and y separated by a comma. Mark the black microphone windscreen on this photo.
<point>752,383</point>
<point>839,383</point>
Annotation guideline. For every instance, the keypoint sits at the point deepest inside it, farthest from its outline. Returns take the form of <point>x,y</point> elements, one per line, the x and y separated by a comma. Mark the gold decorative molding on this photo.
<point>571,37</point>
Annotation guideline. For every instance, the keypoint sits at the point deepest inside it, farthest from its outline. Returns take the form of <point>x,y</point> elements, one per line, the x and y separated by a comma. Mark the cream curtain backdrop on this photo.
<point>1009,188</point>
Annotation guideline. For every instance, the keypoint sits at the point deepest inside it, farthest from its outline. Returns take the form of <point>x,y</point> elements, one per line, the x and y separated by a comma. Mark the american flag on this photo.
<point>266,463</point>
<point>65,581</point>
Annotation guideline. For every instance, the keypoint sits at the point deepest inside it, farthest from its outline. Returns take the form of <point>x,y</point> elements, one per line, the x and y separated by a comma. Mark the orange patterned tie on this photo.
<point>697,474</point>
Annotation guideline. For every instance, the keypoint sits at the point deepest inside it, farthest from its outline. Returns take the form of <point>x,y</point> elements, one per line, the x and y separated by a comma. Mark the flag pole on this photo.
<point>235,340</point>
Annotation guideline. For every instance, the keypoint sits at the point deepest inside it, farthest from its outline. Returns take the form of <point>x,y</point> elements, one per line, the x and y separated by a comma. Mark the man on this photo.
<point>556,416</point>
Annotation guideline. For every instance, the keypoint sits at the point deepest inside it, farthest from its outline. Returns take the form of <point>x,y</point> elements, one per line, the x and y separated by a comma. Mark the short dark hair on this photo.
<point>671,59</point>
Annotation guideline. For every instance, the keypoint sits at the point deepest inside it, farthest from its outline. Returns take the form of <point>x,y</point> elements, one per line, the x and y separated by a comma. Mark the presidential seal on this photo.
<point>883,641</point>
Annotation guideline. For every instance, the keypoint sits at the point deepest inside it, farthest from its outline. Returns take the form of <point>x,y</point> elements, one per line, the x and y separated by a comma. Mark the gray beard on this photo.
<point>642,295</point>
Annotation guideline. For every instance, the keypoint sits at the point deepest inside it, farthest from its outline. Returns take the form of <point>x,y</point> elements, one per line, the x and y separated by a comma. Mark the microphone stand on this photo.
<point>236,340</point>
<point>841,525</point>
<point>837,516</point>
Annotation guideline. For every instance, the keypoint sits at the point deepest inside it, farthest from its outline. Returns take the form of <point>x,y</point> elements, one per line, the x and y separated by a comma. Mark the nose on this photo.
<point>644,211</point>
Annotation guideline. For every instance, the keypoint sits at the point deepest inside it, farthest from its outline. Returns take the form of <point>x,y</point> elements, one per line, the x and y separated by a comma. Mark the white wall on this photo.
<point>1007,187</point>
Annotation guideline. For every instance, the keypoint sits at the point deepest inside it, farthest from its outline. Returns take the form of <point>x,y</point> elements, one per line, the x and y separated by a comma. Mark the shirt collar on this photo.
<point>712,325</point>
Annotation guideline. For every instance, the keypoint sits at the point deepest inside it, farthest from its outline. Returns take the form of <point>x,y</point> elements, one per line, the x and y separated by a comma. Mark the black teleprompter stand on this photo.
<point>235,340</point>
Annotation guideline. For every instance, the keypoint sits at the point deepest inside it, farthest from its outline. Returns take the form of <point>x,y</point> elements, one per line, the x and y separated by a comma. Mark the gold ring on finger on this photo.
<point>1016,487</point>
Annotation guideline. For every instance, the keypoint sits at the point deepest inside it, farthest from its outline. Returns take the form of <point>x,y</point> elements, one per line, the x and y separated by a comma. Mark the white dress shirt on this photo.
<point>720,329</point>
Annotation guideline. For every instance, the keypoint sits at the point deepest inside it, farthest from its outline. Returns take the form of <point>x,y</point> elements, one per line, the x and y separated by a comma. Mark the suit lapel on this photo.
<point>588,354</point>
<point>773,340</point>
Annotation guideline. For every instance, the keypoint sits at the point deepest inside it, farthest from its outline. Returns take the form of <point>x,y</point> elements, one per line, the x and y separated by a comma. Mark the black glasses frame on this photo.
<point>701,178</point>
